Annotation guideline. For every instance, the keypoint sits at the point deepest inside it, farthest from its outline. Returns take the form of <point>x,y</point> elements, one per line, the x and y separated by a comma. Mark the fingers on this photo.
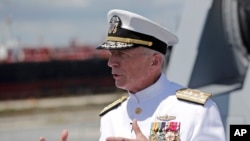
<point>64,135</point>
<point>42,139</point>
<point>117,139</point>
<point>135,127</point>
<point>139,135</point>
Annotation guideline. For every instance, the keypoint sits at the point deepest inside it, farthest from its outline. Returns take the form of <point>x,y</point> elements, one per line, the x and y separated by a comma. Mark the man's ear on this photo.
<point>157,60</point>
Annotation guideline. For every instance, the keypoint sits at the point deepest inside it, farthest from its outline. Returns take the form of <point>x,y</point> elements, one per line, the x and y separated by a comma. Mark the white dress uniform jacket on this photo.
<point>197,122</point>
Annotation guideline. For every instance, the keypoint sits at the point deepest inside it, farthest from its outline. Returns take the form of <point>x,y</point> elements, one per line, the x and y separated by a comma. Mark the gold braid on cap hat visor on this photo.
<point>129,40</point>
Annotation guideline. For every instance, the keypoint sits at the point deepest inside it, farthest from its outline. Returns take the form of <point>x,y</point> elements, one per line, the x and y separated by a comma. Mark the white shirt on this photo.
<point>197,122</point>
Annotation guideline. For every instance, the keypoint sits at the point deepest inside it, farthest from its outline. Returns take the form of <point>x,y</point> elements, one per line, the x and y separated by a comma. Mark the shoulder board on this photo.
<point>193,95</point>
<point>113,105</point>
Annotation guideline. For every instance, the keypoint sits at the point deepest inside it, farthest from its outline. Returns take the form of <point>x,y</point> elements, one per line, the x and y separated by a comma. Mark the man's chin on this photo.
<point>120,86</point>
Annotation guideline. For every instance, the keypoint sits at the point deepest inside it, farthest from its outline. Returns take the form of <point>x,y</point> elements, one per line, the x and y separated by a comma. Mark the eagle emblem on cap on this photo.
<point>115,22</point>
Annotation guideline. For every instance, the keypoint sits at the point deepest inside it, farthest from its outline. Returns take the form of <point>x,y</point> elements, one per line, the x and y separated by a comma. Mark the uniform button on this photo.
<point>138,110</point>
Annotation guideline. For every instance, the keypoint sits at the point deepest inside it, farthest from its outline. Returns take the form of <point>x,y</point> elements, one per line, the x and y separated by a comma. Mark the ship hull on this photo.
<point>55,78</point>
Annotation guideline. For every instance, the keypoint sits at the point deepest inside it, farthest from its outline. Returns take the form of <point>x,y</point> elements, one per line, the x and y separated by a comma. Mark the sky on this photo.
<point>57,22</point>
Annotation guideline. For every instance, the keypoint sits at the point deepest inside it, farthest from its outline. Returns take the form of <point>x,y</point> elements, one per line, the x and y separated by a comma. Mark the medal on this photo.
<point>161,136</point>
<point>153,137</point>
<point>165,131</point>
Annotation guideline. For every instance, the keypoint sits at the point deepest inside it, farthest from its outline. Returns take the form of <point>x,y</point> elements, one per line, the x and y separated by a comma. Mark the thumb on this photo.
<point>139,135</point>
<point>64,135</point>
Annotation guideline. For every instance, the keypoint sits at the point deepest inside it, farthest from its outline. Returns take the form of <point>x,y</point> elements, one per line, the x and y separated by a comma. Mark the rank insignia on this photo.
<point>113,105</point>
<point>165,131</point>
<point>193,95</point>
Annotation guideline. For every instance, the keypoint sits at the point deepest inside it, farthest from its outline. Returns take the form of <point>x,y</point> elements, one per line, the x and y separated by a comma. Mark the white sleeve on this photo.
<point>208,124</point>
<point>105,127</point>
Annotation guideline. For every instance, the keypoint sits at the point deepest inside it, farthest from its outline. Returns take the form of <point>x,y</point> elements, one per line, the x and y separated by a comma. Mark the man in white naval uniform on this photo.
<point>155,108</point>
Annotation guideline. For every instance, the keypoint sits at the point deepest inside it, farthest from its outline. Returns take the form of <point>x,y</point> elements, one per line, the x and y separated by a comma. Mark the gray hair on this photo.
<point>150,51</point>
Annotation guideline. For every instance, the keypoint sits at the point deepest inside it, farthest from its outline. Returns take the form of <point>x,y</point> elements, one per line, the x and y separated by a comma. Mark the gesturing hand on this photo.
<point>64,136</point>
<point>138,134</point>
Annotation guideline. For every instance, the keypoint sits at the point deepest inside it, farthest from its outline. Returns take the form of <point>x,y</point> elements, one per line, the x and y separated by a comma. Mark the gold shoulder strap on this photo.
<point>113,105</point>
<point>193,95</point>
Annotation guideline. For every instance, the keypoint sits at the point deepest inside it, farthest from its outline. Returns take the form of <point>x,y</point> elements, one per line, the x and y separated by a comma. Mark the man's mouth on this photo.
<point>116,76</point>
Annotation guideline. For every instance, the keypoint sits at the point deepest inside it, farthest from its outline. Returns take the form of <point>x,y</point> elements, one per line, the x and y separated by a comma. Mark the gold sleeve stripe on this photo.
<point>129,40</point>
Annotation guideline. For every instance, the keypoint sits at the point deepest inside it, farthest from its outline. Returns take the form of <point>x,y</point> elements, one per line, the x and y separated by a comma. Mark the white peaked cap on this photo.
<point>128,30</point>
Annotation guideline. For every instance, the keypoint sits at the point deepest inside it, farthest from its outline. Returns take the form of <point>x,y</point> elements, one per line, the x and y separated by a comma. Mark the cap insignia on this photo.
<point>114,23</point>
<point>193,95</point>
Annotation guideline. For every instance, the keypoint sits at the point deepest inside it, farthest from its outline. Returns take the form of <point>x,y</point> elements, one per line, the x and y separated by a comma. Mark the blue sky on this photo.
<point>57,22</point>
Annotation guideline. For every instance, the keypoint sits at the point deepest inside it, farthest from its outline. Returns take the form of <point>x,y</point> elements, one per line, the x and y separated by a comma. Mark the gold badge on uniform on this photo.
<point>165,131</point>
<point>166,118</point>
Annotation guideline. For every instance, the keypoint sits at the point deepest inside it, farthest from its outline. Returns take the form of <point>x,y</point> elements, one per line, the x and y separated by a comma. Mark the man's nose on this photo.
<point>112,62</point>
